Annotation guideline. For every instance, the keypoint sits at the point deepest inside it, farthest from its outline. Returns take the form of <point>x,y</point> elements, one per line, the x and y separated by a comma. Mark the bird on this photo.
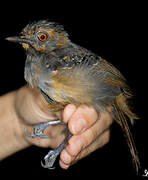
<point>66,73</point>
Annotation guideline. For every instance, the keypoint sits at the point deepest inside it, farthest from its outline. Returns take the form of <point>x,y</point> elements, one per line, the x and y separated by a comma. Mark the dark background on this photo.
<point>118,33</point>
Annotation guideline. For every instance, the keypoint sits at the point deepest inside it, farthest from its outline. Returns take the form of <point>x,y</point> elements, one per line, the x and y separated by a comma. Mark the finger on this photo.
<point>68,112</point>
<point>98,143</point>
<point>81,141</point>
<point>66,159</point>
<point>83,118</point>
<point>63,165</point>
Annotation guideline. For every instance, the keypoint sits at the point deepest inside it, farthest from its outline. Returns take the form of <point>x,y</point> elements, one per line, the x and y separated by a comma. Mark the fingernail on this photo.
<point>66,158</point>
<point>80,125</point>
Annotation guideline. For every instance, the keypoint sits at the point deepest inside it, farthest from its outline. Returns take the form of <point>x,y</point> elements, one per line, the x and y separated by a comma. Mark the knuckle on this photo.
<point>90,137</point>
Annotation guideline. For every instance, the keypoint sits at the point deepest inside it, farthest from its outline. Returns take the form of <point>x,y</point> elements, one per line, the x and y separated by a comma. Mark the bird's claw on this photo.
<point>34,135</point>
<point>38,129</point>
<point>52,155</point>
<point>50,159</point>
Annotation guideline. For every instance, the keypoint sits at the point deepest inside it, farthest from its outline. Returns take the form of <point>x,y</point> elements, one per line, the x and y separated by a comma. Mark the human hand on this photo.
<point>91,131</point>
<point>31,108</point>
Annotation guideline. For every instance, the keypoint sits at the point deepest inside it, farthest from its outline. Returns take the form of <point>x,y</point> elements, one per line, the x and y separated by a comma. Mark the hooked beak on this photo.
<point>18,39</point>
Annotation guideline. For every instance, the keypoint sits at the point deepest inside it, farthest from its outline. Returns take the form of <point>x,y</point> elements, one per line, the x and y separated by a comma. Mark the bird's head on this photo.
<point>42,36</point>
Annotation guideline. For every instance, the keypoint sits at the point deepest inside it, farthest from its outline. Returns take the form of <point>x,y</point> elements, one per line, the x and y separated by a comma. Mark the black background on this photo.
<point>118,33</point>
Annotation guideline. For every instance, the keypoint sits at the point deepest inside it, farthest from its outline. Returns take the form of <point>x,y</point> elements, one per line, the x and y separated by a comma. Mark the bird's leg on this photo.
<point>39,128</point>
<point>52,154</point>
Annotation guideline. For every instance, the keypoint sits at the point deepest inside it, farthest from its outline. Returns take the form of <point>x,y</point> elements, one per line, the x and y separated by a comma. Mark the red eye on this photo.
<point>42,37</point>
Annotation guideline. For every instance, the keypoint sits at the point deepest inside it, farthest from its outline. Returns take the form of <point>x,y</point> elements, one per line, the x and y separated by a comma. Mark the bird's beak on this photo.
<point>18,39</point>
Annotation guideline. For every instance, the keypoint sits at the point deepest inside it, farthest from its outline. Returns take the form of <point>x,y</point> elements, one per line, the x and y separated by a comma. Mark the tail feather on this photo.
<point>121,112</point>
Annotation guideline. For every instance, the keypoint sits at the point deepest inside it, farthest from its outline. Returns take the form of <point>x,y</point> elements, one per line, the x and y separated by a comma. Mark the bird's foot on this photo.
<point>38,129</point>
<point>52,155</point>
<point>50,159</point>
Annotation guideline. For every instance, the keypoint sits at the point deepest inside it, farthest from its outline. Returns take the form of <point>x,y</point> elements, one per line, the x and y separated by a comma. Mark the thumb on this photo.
<point>39,100</point>
<point>31,107</point>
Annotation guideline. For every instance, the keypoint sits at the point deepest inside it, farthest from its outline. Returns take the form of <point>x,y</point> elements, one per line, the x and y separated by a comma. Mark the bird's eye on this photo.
<point>42,37</point>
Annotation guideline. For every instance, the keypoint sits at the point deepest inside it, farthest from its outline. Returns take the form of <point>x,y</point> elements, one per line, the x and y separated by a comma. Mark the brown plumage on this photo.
<point>67,73</point>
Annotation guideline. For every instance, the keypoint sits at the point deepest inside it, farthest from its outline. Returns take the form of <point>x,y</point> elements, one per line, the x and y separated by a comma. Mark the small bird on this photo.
<point>67,73</point>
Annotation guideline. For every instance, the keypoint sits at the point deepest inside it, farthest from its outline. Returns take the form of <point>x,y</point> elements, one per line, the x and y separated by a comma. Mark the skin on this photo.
<point>22,108</point>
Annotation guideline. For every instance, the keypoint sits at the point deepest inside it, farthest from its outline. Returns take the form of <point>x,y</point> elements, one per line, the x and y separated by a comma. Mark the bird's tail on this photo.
<point>122,113</point>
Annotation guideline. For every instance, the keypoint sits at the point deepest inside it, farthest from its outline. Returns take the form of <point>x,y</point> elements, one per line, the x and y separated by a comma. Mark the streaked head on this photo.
<point>42,36</point>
